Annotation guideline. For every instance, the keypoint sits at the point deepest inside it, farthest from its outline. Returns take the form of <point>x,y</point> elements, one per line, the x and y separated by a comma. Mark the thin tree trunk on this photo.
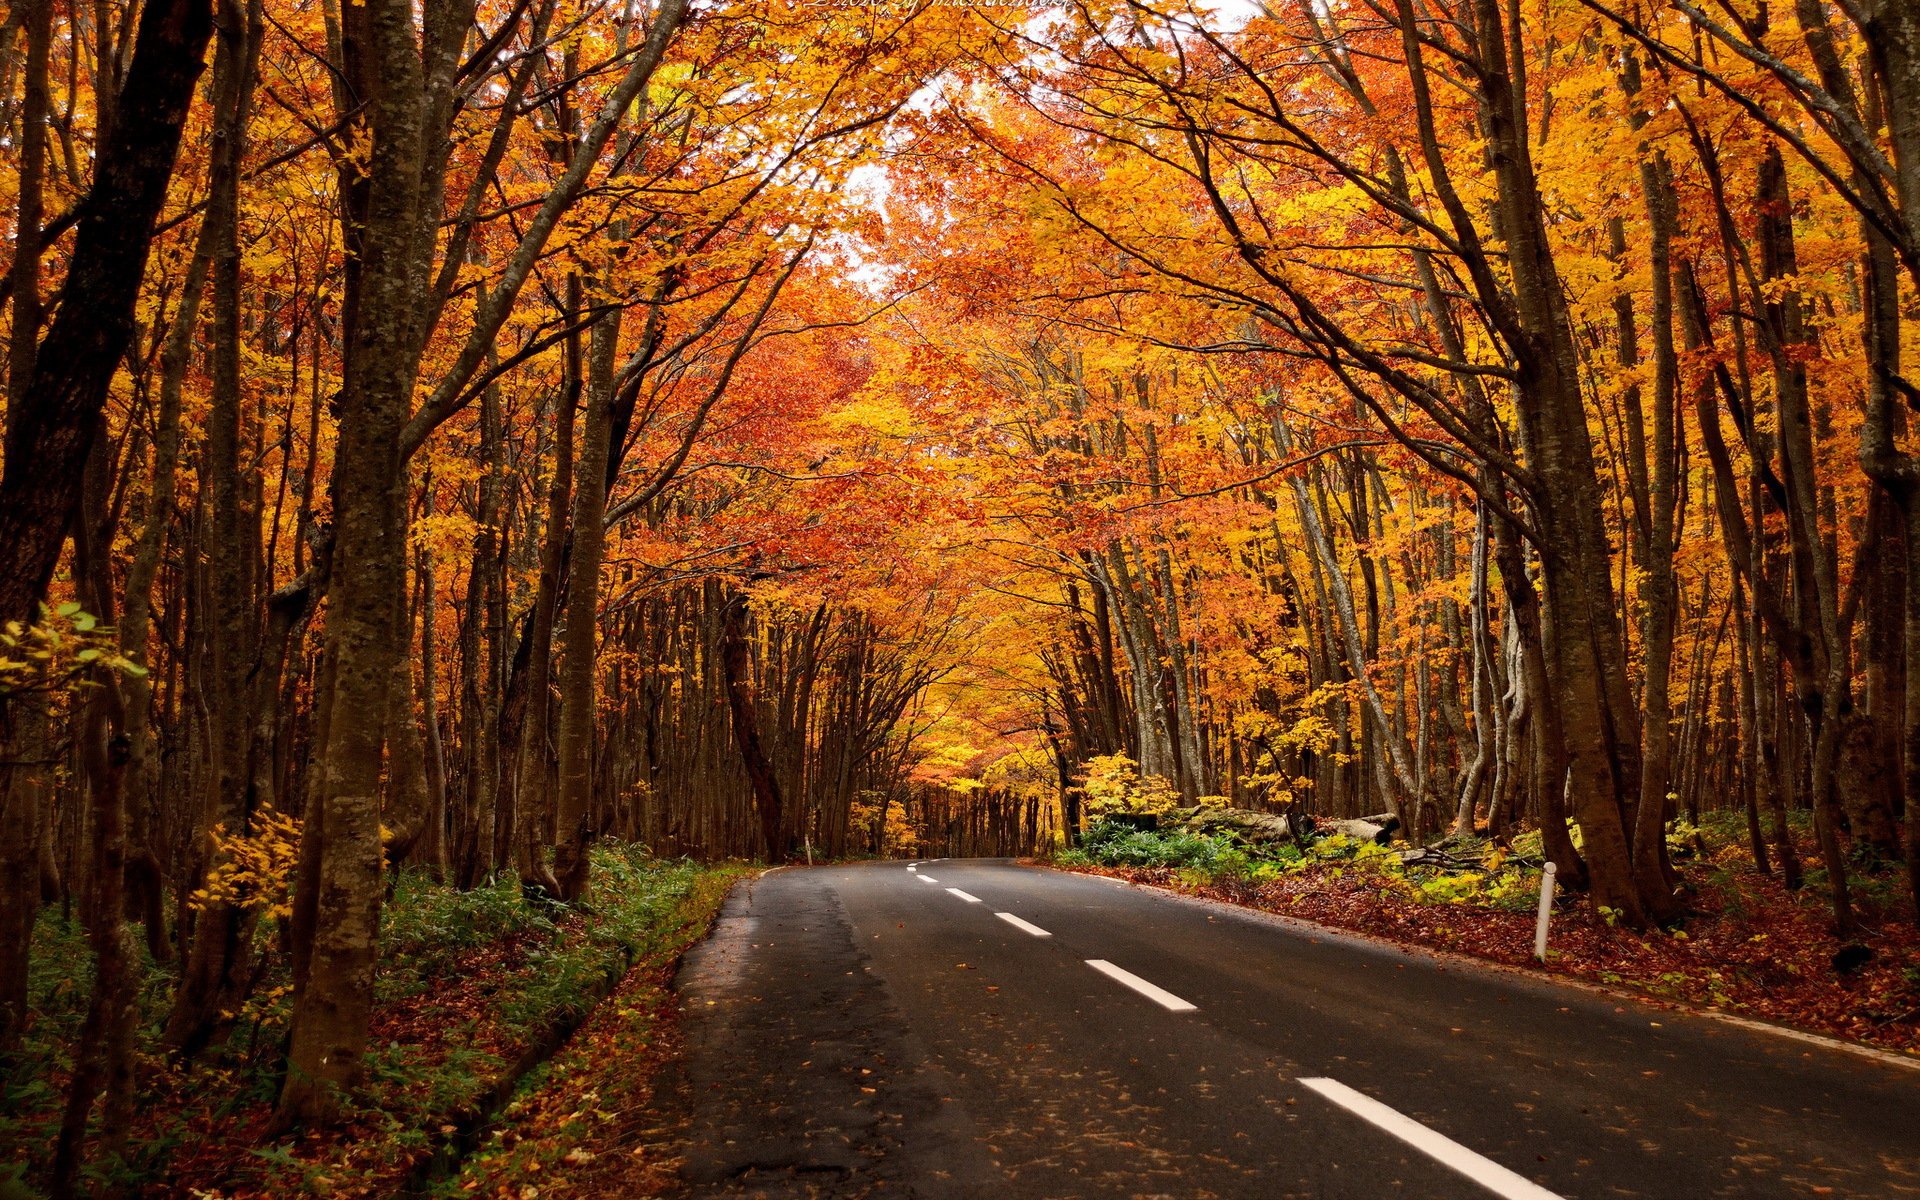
<point>431,850</point>
<point>216,968</point>
<point>736,669</point>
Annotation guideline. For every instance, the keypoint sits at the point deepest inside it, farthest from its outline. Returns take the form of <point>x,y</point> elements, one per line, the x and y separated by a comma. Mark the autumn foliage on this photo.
<point>767,430</point>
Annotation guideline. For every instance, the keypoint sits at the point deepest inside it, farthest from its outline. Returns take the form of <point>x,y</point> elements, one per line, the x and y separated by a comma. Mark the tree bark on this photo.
<point>216,963</point>
<point>736,669</point>
<point>52,424</point>
<point>573,804</point>
<point>334,1002</point>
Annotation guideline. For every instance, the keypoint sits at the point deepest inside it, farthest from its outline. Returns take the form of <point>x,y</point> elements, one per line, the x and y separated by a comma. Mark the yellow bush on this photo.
<point>1113,783</point>
<point>253,870</point>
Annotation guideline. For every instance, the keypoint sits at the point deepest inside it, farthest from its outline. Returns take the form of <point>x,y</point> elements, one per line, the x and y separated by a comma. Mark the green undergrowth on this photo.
<point>474,988</point>
<point>1745,941</point>
<point>1471,871</point>
<point>1458,870</point>
<point>570,1127</point>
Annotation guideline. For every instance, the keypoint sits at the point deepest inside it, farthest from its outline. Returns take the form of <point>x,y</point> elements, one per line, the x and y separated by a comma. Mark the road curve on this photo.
<point>965,1028</point>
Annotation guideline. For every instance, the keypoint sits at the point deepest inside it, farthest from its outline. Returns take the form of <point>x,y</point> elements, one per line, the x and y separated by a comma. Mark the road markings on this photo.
<point>1483,1171</point>
<point>1159,995</point>
<point>913,866</point>
<point>1023,926</point>
<point>964,896</point>
<point>926,879</point>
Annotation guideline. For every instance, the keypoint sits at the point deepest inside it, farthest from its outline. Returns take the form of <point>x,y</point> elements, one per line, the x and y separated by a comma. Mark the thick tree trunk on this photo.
<point>52,424</point>
<point>572,805</point>
<point>737,670</point>
<point>1585,643</point>
<point>333,1005</point>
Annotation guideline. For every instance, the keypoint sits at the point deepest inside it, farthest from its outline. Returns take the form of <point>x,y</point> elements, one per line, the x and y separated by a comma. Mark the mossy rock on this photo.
<point>1253,828</point>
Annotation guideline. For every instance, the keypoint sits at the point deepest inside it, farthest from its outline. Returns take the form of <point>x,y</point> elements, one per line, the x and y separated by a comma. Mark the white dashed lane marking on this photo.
<point>1483,1171</point>
<point>1023,926</point>
<point>1159,995</point>
<point>1506,1184</point>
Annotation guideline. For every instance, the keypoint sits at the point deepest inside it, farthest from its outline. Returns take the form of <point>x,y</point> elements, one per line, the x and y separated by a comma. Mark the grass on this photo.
<point>581,1123</point>
<point>472,987</point>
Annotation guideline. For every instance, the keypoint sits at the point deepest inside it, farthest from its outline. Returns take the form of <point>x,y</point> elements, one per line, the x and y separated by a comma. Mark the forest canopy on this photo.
<point>442,437</point>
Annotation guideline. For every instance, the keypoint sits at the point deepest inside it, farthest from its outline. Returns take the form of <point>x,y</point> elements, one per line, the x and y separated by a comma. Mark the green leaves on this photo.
<point>65,649</point>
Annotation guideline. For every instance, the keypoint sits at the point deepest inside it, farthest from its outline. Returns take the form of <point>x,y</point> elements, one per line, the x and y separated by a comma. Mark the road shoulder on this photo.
<point>1542,980</point>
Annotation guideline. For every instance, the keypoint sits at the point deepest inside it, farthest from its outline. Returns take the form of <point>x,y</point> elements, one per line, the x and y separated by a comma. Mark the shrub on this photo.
<point>1113,783</point>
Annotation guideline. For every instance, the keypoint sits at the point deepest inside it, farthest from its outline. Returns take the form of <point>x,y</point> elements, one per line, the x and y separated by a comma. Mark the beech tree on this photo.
<point>458,433</point>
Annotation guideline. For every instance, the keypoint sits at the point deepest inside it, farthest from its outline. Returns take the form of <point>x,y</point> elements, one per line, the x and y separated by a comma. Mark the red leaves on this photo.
<point>1760,950</point>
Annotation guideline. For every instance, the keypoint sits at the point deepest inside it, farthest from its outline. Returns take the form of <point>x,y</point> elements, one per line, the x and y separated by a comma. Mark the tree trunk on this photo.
<point>332,1007</point>
<point>430,851</point>
<point>736,668</point>
<point>216,964</point>
<point>571,810</point>
<point>52,424</point>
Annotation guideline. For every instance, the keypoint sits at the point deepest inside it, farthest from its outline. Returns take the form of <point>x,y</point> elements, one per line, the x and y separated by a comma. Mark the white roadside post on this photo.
<point>1546,913</point>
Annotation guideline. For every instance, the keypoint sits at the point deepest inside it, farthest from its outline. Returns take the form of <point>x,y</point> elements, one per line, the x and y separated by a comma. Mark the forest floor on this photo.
<point>1747,945</point>
<point>476,990</point>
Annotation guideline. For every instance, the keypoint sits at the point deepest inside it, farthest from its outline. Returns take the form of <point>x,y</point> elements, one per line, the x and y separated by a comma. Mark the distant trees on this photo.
<point>383,359</point>
<point>487,427</point>
<point>1577,317</point>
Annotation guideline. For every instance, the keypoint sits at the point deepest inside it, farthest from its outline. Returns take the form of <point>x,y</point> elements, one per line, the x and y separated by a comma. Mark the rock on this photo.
<point>1851,958</point>
<point>1254,828</point>
<point>1379,828</point>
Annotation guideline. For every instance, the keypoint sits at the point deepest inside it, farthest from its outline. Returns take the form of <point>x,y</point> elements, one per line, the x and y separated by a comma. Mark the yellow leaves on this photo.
<point>667,82</point>
<point>1112,783</point>
<point>253,870</point>
<point>881,826</point>
<point>881,413</point>
<point>58,651</point>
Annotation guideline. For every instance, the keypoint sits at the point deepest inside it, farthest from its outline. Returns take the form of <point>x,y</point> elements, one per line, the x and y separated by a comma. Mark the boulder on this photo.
<point>1254,828</point>
<point>1379,828</point>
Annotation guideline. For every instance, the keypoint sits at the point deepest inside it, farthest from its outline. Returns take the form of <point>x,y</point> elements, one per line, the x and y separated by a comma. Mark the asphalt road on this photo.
<point>861,1031</point>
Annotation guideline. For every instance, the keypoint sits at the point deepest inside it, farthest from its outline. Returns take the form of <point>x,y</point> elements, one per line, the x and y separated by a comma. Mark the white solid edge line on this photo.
<point>1159,995</point>
<point>926,879</point>
<point>1483,1171</point>
<point>1024,926</point>
<point>964,896</point>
